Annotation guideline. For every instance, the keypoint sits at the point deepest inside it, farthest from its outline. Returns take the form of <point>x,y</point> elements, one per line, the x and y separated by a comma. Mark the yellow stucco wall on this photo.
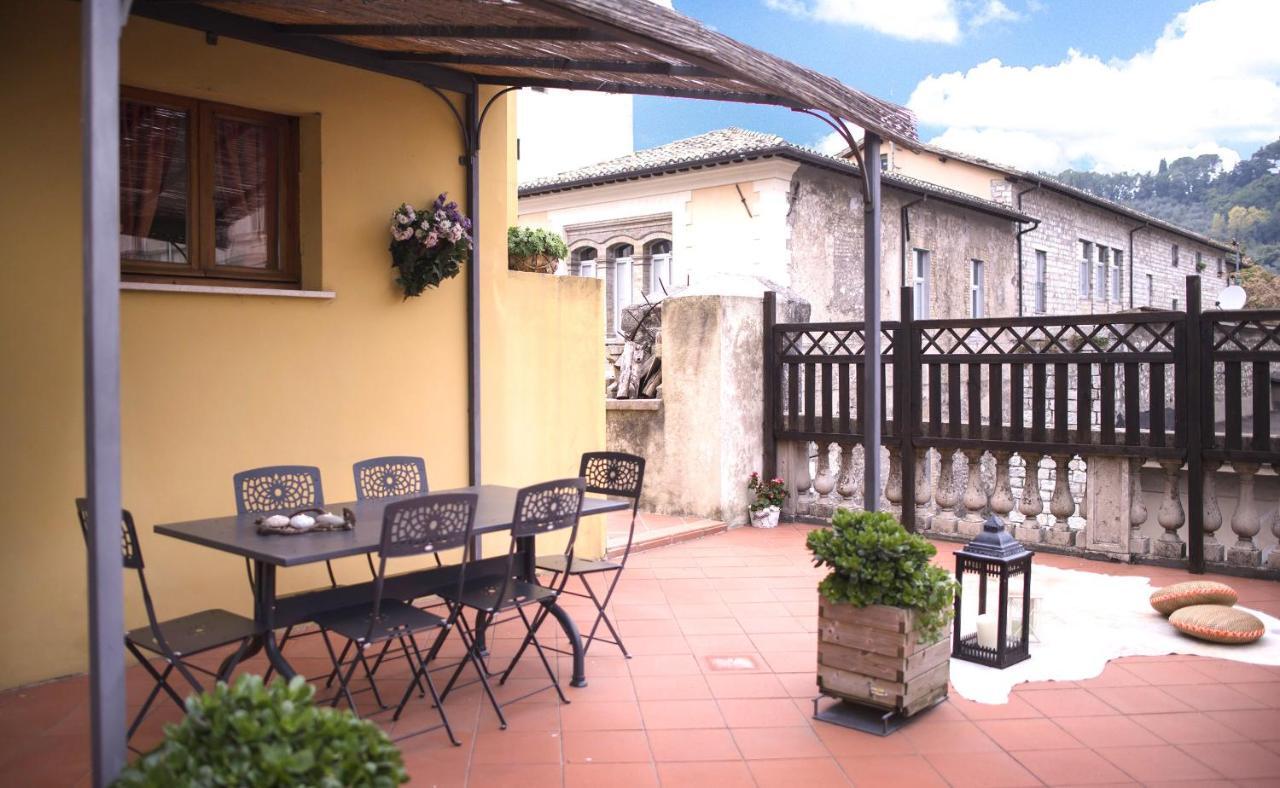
<point>953,173</point>
<point>212,384</point>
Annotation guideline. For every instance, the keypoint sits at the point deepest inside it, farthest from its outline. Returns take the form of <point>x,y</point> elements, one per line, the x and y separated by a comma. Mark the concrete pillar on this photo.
<point>1107,506</point>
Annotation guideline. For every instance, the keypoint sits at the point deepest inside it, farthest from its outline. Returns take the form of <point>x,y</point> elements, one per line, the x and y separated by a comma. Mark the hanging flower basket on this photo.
<point>428,246</point>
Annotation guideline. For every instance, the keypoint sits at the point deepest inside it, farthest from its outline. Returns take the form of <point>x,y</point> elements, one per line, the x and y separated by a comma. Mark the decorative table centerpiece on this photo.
<point>428,246</point>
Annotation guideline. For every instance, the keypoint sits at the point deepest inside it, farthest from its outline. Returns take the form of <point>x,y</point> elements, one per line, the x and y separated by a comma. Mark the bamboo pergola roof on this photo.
<point>617,46</point>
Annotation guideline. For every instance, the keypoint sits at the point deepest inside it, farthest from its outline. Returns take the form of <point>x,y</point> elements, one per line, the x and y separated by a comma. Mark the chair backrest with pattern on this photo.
<point>389,477</point>
<point>619,474</point>
<point>278,488</point>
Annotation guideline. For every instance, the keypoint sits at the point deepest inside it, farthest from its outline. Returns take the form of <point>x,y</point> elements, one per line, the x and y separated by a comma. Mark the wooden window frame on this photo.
<point>282,206</point>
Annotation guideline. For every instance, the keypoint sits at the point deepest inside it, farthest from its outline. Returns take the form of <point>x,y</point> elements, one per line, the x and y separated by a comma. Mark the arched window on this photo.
<point>618,286</point>
<point>582,262</point>
<point>658,266</point>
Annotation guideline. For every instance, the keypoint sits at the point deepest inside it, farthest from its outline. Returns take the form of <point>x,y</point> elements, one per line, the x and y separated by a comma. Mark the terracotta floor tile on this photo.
<point>809,772</point>
<point>671,687</point>
<point>523,775</point>
<point>710,744</point>
<point>511,746</point>
<point>602,688</point>
<point>1028,734</point>
<point>847,743</point>
<point>1070,702</point>
<point>1231,671</point>
<point>1140,700</point>
<point>721,774</point>
<point>1016,708</point>
<point>664,665</point>
<point>606,747</point>
<point>709,626</point>
<point>1211,696</point>
<point>1266,693</point>
<point>1256,724</point>
<point>1162,673</point>
<point>791,661</point>
<point>667,714</point>
<point>762,712</point>
<point>614,775</point>
<point>892,771</point>
<point>1151,764</point>
<point>792,742</point>
<point>1111,731</point>
<point>1237,759</point>
<point>600,716</point>
<point>1113,675</point>
<point>1186,728</point>
<point>745,685</point>
<point>981,769</point>
<point>928,736</point>
<point>799,685</point>
<point>1070,767</point>
<point>719,644</point>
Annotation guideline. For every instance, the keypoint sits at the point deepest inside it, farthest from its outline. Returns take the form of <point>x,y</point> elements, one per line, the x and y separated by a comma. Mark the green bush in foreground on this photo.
<point>253,735</point>
<point>874,561</point>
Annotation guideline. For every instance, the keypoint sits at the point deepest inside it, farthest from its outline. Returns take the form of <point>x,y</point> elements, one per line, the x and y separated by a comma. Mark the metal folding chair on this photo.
<point>604,473</point>
<point>540,509</point>
<point>389,477</point>
<point>412,527</point>
<point>174,640</point>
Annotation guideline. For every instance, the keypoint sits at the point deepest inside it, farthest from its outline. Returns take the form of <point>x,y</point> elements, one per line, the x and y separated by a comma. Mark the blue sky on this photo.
<point>1111,106</point>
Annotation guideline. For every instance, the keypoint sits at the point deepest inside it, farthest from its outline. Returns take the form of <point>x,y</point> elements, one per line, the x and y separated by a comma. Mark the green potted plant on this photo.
<point>882,614</point>
<point>532,249</point>
<point>428,245</point>
<point>767,504</point>
<point>251,734</point>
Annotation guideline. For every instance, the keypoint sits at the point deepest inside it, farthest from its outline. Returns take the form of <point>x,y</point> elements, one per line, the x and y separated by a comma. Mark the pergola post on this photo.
<point>101,23</point>
<point>871,372</point>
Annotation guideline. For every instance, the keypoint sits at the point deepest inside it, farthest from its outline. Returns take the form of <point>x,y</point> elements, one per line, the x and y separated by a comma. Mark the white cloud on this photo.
<point>993,11</point>
<point>912,20</point>
<point>1212,77</point>
<point>833,143</point>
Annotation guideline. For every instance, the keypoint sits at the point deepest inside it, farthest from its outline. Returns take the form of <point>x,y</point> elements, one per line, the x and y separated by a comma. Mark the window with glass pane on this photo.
<point>206,190</point>
<point>976,295</point>
<point>1042,271</point>
<point>1101,289</point>
<point>155,217</point>
<point>920,285</point>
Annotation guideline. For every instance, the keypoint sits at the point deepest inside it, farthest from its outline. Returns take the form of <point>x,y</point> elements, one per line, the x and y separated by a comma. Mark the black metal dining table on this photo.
<point>238,535</point>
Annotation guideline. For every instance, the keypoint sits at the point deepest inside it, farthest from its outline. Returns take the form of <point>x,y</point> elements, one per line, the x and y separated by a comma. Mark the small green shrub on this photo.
<point>526,243</point>
<point>874,561</point>
<point>253,735</point>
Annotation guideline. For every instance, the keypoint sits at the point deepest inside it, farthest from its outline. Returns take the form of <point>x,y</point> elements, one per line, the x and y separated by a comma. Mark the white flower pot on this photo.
<point>765,518</point>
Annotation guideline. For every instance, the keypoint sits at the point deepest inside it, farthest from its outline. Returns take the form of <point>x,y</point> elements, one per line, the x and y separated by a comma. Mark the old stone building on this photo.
<point>1085,254</point>
<point>734,203</point>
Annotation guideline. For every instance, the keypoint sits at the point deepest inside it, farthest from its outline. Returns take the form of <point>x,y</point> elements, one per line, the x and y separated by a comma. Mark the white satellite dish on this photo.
<point>1232,297</point>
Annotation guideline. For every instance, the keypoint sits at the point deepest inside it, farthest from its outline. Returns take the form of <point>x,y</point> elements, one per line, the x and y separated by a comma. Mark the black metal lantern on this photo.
<point>994,639</point>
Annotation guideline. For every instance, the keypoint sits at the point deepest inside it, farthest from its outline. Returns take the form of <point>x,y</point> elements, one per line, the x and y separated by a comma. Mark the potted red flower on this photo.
<point>767,505</point>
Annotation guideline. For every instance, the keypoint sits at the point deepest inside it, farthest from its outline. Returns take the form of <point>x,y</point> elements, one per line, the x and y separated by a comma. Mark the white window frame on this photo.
<point>623,290</point>
<point>1086,268</point>
<point>920,283</point>
<point>977,289</point>
<point>1041,281</point>
<point>1100,286</point>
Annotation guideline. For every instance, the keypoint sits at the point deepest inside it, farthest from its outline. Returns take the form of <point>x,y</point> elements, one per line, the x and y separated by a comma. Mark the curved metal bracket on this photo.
<point>484,112</point>
<point>840,128</point>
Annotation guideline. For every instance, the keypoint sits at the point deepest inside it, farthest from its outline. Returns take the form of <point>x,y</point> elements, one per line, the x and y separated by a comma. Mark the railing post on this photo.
<point>770,378</point>
<point>905,404</point>
<point>1195,383</point>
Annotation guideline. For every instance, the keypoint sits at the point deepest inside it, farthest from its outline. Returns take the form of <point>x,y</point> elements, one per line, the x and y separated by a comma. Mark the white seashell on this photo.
<point>302,521</point>
<point>329,520</point>
<point>276,521</point>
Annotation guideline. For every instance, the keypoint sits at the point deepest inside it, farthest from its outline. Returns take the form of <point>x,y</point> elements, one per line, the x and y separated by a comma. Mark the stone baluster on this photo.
<point>845,486</point>
<point>975,498</point>
<point>944,522</point>
<point>922,492</point>
<point>1171,515</point>
<point>893,483</point>
<point>1002,494</point>
<point>1273,558</point>
<point>1031,504</point>
<point>804,479</point>
<point>1245,522</point>
<point>824,483</point>
<point>1214,550</point>
<point>1061,504</point>
<point>1138,544</point>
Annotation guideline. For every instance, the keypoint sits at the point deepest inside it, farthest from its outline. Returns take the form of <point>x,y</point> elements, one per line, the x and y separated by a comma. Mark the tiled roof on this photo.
<point>723,146</point>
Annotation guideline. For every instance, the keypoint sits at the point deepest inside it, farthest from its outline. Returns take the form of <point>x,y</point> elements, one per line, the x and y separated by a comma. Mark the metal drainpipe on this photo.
<point>1034,225</point>
<point>1142,226</point>
<point>905,235</point>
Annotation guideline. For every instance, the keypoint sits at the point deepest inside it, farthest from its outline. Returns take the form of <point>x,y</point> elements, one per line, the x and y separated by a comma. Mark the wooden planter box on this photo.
<point>873,655</point>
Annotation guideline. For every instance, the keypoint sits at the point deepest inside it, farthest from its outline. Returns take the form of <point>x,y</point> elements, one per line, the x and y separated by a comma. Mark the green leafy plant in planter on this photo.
<point>253,735</point>
<point>874,561</point>
<point>531,249</point>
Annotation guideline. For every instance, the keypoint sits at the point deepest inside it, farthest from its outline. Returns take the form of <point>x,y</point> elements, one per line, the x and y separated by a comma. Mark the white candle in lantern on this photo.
<point>987,624</point>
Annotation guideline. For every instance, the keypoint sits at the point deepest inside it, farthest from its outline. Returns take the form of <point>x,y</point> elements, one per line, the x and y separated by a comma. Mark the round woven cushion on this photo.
<point>1195,592</point>
<point>1217,623</point>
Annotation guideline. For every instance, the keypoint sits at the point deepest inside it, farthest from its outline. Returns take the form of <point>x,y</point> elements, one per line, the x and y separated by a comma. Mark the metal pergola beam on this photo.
<point>212,20</point>
<point>463,32</point>
<point>100,25</point>
<point>871,372</point>
<point>554,63</point>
